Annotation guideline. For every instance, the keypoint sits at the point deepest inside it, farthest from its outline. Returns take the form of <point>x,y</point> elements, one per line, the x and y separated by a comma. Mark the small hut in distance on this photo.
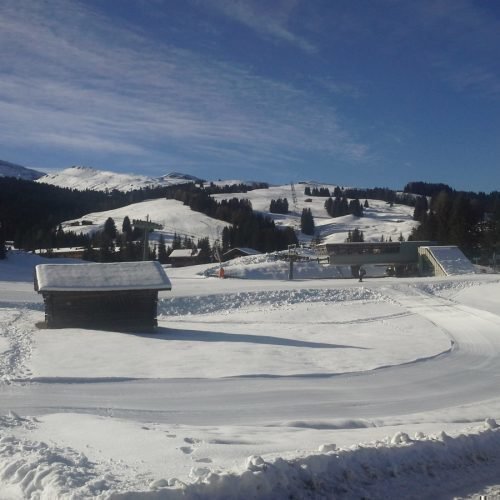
<point>111,296</point>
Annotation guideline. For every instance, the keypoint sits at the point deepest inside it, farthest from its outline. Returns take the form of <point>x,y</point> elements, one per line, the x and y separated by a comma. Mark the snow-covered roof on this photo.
<point>452,259</point>
<point>183,253</point>
<point>102,277</point>
<point>245,250</point>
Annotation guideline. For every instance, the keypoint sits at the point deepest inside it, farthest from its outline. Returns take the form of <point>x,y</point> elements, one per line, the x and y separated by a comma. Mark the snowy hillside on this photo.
<point>265,389</point>
<point>174,216</point>
<point>379,220</point>
<point>11,170</point>
<point>82,178</point>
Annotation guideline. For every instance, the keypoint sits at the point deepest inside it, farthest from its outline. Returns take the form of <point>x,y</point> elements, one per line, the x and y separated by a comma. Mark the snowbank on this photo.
<point>396,467</point>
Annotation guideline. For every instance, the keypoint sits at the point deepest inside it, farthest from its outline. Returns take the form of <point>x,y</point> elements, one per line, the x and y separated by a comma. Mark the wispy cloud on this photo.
<point>73,81</point>
<point>268,19</point>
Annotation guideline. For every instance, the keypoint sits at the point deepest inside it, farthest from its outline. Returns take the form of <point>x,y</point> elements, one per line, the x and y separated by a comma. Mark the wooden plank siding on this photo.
<point>114,310</point>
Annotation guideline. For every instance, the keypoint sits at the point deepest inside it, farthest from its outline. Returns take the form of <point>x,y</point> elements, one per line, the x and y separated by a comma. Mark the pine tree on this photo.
<point>162,250</point>
<point>307,222</point>
<point>110,228</point>
<point>127,228</point>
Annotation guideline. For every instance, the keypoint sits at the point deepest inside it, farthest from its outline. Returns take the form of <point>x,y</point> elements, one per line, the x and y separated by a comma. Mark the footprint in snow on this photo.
<point>204,460</point>
<point>191,440</point>
<point>186,449</point>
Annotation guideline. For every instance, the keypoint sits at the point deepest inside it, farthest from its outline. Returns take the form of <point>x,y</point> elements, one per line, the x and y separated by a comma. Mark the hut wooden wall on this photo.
<point>114,310</point>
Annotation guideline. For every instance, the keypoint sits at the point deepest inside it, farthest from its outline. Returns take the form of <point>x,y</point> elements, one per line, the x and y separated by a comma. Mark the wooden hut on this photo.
<point>113,296</point>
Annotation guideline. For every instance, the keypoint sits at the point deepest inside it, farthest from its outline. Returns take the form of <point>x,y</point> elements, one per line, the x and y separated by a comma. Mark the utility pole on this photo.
<point>148,226</point>
<point>292,256</point>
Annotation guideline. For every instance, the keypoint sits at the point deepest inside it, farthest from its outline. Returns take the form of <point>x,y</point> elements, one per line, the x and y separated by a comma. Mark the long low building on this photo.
<point>400,257</point>
<point>115,296</point>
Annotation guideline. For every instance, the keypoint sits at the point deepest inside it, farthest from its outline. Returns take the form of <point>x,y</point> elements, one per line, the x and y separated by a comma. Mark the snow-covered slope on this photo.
<point>81,178</point>
<point>12,170</point>
<point>379,219</point>
<point>173,215</point>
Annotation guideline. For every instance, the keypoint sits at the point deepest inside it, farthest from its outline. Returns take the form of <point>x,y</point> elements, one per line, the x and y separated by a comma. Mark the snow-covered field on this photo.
<point>379,220</point>
<point>256,388</point>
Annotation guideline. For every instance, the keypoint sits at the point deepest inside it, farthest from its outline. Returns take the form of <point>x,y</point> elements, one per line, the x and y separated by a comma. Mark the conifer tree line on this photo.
<point>466,219</point>
<point>279,206</point>
<point>315,191</point>
<point>355,236</point>
<point>340,206</point>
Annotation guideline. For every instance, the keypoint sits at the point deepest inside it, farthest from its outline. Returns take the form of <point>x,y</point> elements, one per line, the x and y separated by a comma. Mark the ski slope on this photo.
<point>256,389</point>
<point>380,220</point>
<point>173,215</point>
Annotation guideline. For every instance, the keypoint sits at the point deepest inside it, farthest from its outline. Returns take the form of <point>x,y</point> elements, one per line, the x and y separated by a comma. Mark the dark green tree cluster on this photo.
<point>421,207</point>
<point>307,222</point>
<point>426,188</point>
<point>3,250</point>
<point>455,218</point>
<point>257,232</point>
<point>322,191</point>
<point>337,207</point>
<point>355,236</point>
<point>279,206</point>
<point>235,188</point>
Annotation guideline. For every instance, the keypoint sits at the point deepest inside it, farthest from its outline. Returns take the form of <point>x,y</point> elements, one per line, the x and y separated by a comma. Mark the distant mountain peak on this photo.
<point>83,177</point>
<point>8,169</point>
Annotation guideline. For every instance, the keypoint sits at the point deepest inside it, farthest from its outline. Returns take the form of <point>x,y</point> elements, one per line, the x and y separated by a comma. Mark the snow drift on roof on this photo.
<point>104,276</point>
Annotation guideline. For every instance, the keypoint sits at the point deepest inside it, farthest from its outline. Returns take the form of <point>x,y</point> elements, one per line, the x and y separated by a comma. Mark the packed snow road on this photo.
<point>469,372</point>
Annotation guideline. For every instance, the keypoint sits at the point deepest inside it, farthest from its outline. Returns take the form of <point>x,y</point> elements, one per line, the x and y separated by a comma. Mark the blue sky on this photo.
<point>355,92</point>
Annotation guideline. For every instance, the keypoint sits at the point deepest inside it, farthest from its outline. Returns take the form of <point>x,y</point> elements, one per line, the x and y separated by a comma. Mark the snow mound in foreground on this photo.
<point>396,467</point>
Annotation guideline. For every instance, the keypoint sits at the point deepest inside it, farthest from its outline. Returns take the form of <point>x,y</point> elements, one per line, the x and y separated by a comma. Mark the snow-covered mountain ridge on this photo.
<point>82,178</point>
<point>12,170</point>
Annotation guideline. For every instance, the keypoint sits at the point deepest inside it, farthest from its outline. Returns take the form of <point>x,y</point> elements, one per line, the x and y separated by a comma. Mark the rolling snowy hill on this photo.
<point>174,216</point>
<point>380,219</point>
<point>12,170</point>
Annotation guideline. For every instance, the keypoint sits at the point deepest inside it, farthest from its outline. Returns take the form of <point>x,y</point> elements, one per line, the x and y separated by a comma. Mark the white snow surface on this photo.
<point>102,276</point>
<point>265,389</point>
<point>82,178</point>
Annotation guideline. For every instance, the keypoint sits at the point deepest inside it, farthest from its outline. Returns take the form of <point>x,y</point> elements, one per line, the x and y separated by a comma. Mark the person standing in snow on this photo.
<point>361,273</point>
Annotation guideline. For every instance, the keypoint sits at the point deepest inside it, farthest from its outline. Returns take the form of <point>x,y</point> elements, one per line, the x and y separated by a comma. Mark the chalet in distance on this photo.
<point>114,296</point>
